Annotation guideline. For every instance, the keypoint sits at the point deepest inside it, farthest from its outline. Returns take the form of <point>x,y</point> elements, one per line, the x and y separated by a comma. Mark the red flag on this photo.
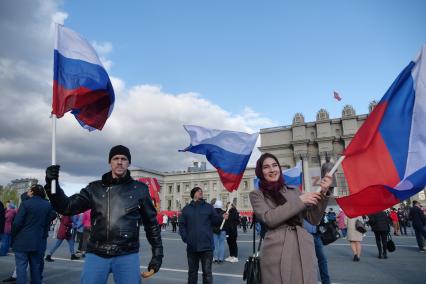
<point>337,96</point>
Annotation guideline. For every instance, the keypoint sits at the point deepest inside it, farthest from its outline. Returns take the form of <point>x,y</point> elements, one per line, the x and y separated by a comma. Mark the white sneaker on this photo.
<point>234,259</point>
<point>229,259</point>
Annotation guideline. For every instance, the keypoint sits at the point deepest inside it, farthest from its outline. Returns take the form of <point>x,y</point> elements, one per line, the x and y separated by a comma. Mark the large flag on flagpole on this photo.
<point>228,151</point>
<point>386,161</point>
<point>80,83</point>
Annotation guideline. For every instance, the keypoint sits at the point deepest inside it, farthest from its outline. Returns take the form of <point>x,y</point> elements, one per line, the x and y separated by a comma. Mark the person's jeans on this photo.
<point>219,245</point>
<point>344,232</point>
<point>21,260</point>
<point>58,244</point>
<point>5,244</point>
<point>42,251</point>
<point>322,260</point>
<point>420,234</point>
<point>194,258</point>
<point>125,269</point>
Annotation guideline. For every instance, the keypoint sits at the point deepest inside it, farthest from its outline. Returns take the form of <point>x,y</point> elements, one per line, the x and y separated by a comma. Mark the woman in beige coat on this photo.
<point>354,237</point>
<point>288,254</point>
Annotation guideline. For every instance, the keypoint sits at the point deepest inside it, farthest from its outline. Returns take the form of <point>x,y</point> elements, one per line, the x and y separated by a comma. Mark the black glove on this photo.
<point>52,173</point>
<point>156,260</point>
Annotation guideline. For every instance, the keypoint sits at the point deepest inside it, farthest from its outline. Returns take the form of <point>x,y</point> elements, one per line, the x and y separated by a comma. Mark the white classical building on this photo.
<point>311,142</point>
<point>176,186</point>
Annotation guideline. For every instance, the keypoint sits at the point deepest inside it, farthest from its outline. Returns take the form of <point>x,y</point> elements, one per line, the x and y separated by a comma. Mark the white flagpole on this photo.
<point>53,116</point>
<point>53,185</point>
<point>231,197</point>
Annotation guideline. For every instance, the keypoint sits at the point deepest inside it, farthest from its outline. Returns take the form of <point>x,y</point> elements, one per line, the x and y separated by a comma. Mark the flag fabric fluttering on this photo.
<point>386,161</point>
<point>337,96</point>
<point>292,177</point>
<point>80,84</point>
<point>228,151</point>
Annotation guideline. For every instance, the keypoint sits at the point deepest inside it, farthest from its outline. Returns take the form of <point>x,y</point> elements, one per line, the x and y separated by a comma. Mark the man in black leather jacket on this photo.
<point>120,205</point>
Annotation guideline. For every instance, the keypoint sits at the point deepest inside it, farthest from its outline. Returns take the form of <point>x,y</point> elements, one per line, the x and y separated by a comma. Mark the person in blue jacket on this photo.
<point>196,230</point>
<point>28,231</point>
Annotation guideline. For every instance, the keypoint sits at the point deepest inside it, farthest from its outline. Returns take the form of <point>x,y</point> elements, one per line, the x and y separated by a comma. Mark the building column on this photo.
<point>306,174</point>
<point>322,159</point>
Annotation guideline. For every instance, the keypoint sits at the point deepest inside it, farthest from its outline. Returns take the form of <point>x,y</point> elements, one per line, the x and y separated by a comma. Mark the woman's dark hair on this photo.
<point>270,189</point>
<point>38,190</point>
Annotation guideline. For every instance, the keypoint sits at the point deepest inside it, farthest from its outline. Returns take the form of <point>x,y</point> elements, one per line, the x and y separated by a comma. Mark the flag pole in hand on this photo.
<point>333,169</point>
<point>53,185</point>
<point>227,209</point>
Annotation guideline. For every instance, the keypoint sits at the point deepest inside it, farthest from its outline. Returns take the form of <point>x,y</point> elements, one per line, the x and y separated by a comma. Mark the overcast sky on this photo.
<point>235,65</point>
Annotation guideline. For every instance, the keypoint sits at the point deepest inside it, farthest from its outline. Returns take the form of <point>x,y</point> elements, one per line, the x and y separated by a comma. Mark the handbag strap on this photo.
<point>254,234</point>
<point>258,246</point>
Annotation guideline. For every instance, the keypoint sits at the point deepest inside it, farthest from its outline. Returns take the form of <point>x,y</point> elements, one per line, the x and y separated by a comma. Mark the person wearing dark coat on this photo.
<point>196,230</point>
<point>417,217</point>
<point>174,222</point>
<point>232,233</point>
<point>28,229</point>
<point>379,223</point>
<point>119,206</point>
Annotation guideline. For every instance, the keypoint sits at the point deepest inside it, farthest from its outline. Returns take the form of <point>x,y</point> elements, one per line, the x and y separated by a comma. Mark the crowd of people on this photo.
<point>105,217</point>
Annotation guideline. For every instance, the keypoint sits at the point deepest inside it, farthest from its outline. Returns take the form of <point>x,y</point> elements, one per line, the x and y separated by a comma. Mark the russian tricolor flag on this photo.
<point>228,151</point>
<point>80,83</point>
<point>386,161</point>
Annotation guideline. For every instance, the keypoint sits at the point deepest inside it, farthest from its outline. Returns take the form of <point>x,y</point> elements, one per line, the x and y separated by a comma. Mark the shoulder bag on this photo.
<point>328,233</point>
<point>252,274</point>
<point>390,245</point>
<point>360,226</point>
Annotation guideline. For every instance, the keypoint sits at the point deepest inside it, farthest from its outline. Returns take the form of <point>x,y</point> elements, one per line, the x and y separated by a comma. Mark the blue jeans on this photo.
<point>5,244</point>
<point>58,244</point>
<point>21,260</point>
<point>42,251</point>
<point>219,245</point>
<point>125,269</point>
<point>344,232</point>
<point>322,260</point>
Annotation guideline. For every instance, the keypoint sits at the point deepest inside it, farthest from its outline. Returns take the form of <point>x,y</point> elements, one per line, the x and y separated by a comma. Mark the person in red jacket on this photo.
<point>64,233</point>
<point>395,221</point>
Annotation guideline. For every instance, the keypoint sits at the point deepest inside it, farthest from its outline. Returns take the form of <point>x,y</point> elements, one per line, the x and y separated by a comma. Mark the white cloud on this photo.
<point>102,48</point>
<point>145,118</point>
<point>59,17</point>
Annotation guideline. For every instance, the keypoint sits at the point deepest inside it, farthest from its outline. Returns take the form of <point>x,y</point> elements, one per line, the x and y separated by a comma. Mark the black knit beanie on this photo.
<point>120,150</point>
<point>194,190</point>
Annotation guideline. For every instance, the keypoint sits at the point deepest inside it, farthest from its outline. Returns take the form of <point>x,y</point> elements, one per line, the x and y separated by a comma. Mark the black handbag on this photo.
<point>252,274</point>
<point>360,226</point>
<point>328,233</point>
<point>390,245</point>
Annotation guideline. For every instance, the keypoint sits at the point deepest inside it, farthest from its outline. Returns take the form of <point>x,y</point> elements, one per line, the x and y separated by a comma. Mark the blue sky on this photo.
<point>235,65</point>
<point>276,57</point>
